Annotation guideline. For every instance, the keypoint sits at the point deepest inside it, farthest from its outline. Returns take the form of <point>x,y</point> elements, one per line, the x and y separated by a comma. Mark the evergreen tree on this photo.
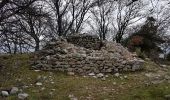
<point>147,38</point>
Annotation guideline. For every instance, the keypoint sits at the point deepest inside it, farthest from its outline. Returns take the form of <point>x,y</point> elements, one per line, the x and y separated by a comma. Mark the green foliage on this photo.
<point>146,38</point>
<point>154,92</point>
<point>140,53</point>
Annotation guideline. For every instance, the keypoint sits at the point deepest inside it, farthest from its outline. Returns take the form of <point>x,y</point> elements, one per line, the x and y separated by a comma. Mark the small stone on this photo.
<point>125,77</point>
<point>25,86</point>
<point>167,77</point>
<point>148,75</point>
<point>71,73</point>
<point>123,62</point>
<point>103,79</point>
<point>37,70</point>
<point>106,76</point>
<point>45,77</point>
<point>52,43</point>
<point>167,97</point>
<point>19,80</point>
<point>72,97</point>
<point>4,93</point>
<point>117,74</point>
<point>20,90</point>
<point>109,70</point>
<point>52,82</point>
<point>43,88</point>
<point>113,89</point>
<point>91,74</point>
<point>14,90</point>
<point>94,76</point>
<point>22,96</point>
<point>164,66</point>
<point>39,84</point>
<point>48,57</point>
<point>156,81</point>
<point>65,51</point>
<point>116,70</point>
<point>114,83</point>
<point>123,83</point>
<point>141,61</point>
<point>121,78</point>
<point>52,89</point>
<point>100,75</point>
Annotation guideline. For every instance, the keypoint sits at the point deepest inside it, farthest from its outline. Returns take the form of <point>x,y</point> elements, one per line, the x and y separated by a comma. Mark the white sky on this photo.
<point>156,4</point>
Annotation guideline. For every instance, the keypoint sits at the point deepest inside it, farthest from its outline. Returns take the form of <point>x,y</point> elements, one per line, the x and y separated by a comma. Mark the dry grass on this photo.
<point>58,86</point>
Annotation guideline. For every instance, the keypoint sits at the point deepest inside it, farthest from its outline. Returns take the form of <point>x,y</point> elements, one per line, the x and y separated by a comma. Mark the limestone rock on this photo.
<point>39,84</point>
<point>125,77</point>
<point>91,74</point>
<point>4,93</point>
<point>71,73</point>
<point>22,96</point>
<point>117,74</point>
<point>100,75</point>
<point>103,79</point>
<point>14,90</point>
<point>72,97</point>
<point>164,66</point>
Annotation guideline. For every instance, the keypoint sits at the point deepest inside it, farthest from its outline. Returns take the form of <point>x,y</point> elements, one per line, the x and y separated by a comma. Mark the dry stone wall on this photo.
<point>63,56</point>
<point>86,41</point>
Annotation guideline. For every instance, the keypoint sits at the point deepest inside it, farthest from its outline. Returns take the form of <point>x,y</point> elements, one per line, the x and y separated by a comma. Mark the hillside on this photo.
<point>152,83</point>
<point>84,50</point>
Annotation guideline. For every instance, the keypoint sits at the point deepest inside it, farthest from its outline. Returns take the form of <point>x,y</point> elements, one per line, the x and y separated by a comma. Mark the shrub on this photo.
<point>140,53</point>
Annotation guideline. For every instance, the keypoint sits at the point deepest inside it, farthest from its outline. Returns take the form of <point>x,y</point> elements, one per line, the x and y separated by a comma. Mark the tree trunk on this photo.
<point>59,19</point>
<point>104,36</point>
<point>119,36</point>
<point>15,47</point>
<point>37,42</point>
<point>9,48</point>
<point>20,48</point>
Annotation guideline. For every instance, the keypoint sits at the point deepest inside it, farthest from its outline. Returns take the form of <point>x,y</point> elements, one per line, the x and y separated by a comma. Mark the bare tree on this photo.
<point>11,36</point>
<point>12,39</point>
<point>101,15</point>
<point>127,15</point>
<point>70,14</point>
<point>34,22</point>
<point>163,18</point>
<point>8,8</point>
<point>83,9</point>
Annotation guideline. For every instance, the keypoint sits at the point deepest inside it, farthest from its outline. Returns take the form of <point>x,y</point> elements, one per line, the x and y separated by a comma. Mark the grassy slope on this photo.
<point>17,73</point>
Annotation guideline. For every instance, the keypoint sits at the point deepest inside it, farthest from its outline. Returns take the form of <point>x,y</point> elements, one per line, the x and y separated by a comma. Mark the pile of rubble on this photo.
<point>63,56</point>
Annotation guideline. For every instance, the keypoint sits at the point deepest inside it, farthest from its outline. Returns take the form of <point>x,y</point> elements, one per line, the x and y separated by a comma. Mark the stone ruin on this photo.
<point>86,41</point>
<point>61,55</point>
